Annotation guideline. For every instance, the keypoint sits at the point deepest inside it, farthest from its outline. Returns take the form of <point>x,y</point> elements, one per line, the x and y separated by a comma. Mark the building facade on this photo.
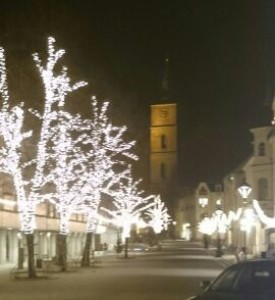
<point>257,171</point>
<point>194,206</point>
<point>248,223</point>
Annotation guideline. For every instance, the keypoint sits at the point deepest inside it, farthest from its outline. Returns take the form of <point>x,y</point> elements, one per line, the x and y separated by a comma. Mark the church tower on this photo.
<point>164,146</point>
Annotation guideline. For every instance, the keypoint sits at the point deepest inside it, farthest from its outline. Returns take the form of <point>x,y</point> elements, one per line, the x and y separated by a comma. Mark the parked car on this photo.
<point>247,280</point>
<point>133,247</point>
<point>138,247</point>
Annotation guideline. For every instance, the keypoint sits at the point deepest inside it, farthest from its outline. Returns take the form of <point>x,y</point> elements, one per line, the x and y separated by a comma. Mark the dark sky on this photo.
<point>221,67</point>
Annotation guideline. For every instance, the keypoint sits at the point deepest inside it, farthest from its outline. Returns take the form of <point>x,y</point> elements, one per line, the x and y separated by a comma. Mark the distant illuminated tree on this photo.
<point>216,223</point>
<point>129,203</point>
<point>159,217</point>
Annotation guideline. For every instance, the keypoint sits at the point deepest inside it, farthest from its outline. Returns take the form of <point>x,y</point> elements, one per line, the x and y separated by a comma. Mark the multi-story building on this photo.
<point>247,225</point>
<point>12,241</point>
<point>257,170</point>
<point>194,206</point>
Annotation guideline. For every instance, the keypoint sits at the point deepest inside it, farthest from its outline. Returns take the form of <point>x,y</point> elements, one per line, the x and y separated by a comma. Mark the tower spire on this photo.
<point>165,77</point>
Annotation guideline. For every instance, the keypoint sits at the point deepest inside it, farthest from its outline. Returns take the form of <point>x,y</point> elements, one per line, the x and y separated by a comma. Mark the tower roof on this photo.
<point>165,94</point>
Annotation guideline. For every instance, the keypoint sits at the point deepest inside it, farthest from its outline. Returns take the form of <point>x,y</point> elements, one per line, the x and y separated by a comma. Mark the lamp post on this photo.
<point>244,190</point>
<point>219,213</point>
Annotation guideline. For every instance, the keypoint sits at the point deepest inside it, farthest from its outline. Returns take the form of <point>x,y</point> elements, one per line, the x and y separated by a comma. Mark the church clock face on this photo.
<point>163,113</point>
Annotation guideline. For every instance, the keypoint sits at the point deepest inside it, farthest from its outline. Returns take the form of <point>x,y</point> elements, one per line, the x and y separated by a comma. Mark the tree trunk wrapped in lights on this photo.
<point>91,225</point>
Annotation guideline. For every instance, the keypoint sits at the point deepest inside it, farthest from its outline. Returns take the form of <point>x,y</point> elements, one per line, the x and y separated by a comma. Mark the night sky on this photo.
<point>221,67</point>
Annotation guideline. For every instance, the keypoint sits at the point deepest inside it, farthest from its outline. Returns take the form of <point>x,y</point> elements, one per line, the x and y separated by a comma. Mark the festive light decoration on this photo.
<point>159,215</point>
<point>107,150</point>
<point>218,223</point>
<point>78,159</point>
<point>11,122</point>
<point>66,166</point>
<point>56,88</point>
<point>207,226</point>
<point>269,222</point>
<point>129,203</point>
<point>86,152</point>
<point>247,220</point>
<point>54,132</point>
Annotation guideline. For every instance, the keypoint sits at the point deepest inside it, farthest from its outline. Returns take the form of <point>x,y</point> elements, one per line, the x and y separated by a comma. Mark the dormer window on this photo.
<point>203,191</point>
<point>261,149</point>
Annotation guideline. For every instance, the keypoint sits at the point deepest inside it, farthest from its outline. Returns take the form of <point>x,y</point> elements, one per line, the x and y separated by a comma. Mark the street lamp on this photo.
<point>244,190</point>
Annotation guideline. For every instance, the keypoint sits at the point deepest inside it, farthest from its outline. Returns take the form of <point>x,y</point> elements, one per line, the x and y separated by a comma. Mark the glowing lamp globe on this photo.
<point>244,190</point>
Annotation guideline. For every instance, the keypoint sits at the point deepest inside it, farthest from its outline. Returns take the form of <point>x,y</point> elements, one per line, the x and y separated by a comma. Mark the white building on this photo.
<point>247,226</point>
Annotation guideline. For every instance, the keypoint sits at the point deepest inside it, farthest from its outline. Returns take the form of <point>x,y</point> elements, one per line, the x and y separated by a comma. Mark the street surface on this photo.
<point>173,273</point>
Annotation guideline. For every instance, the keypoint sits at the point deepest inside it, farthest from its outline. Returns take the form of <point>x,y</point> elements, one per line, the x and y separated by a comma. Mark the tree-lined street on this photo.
<point>173,273</point>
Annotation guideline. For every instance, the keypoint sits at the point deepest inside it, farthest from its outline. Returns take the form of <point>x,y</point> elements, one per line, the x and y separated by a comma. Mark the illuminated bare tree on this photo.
<point>129,203</point>
<point>106,153</point>
<point>66,167</point>
<point>159,217</point>
<point>29,191</point>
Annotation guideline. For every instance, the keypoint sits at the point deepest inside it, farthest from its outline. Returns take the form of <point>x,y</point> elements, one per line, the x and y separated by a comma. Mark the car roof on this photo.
<point>257,262</point>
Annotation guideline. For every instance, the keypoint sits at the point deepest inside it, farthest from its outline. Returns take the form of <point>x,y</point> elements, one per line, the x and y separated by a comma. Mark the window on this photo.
<point>261,149</point>
<point>203,191</point>
<point>258,279</point>
<point>203,202</point>
<point>163,141</point>
<point>226,282</point>
<point>262,189</point>
<point>51,211</point>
